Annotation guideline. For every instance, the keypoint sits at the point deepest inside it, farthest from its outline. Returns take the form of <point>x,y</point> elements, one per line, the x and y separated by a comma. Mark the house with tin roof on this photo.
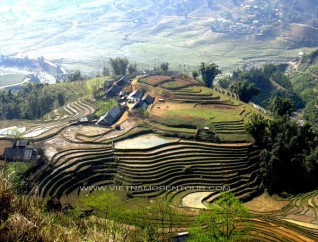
<point>110,117</point>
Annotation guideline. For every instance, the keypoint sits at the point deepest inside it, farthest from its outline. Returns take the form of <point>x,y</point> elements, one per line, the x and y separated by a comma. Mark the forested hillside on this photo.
<point>305,83</point>
<point>32,101</point>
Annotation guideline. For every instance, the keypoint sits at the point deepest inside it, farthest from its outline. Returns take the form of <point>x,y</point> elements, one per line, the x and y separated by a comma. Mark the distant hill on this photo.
<point>85,34</point>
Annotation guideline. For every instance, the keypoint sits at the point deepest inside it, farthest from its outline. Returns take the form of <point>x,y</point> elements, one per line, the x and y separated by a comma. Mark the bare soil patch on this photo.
<point>92,130</point>
<point>155,80</point>
<point>4,144</point>
<point>57,144</point>
<point>265,203</point>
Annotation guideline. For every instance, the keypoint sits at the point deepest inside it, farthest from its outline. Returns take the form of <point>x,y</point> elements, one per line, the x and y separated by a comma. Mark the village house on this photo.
<point>110,117</point>
<point>113,91</point>
<point>135,96</point>
<point>123,81</point>
<point>144,102</point>
<point>21,153</point>
<point>25,154</point>
<point>148,99</point>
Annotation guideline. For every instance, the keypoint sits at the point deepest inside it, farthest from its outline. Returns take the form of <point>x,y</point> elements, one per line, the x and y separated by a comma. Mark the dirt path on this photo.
<point>134,83</point>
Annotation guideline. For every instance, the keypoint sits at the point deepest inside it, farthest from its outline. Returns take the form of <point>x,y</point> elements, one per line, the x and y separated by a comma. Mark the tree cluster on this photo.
<point>289,156</point>
<point>305,84</point>
<point>245,90</point>
<point>270,80</point>
<point>281,106</point>
<point>31,102</point>
<point>75,76</point>
<point>209,72</point>
<point>119,65</point>
<point>222,221</point>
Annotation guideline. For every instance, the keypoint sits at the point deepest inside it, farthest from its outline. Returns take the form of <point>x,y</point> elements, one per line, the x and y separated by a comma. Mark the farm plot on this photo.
<point>71,110</point>
<point>178,83</point>
<point>155,80</point>
<point>185,114</point>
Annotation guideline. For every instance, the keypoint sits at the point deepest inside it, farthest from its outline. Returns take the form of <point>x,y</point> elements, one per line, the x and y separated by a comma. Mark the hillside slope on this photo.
<point>304,79</point>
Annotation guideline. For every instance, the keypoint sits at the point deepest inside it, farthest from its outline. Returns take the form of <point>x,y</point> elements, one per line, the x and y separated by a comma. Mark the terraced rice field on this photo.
<point>70,169</point>
<point>71,110</point>
<point>196,107</point>
<point>186,172</point>
<point>296,221</point>
<point>182,163</point>
<point>186,163</point>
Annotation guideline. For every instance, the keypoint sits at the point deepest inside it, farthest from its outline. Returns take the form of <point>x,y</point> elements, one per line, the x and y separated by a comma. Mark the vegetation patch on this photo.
<point>105,106</point>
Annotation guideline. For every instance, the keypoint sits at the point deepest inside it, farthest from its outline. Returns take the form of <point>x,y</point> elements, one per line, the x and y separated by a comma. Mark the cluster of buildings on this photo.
<point>127,100</point>
<point>253,18</point>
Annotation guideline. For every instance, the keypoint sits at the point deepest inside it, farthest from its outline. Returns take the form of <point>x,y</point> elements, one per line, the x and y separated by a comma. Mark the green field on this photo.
<point>201,115</point>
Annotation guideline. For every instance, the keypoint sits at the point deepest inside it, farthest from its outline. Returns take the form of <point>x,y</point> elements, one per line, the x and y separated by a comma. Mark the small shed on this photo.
<point>180,237</point>
<point>301,54</point>
<point>83,120</point>
<point>21,144</point>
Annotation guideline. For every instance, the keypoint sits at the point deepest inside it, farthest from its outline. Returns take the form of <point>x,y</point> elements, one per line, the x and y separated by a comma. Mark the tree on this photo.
<point>209,73</point>
<point>132,68</point>
<point>222,221</point>
<point>60,99</point>
<point>164,66</point>
<point>281,106</point>
<point>245,90</point>
<point>119,65</point>
<point>105,71</point>
<point>195,74</point>
<point>257,127</point>
<point>288,154</point>
<point>75,76</point>
<point>225,82</point>
<point>157,220</point>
